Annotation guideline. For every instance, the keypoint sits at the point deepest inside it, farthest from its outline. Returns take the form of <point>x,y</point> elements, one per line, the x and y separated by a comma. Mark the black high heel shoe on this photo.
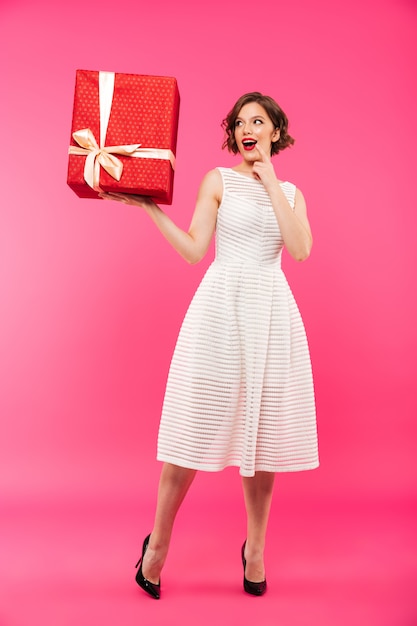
<point>255,589</point>
<point>152,589</point>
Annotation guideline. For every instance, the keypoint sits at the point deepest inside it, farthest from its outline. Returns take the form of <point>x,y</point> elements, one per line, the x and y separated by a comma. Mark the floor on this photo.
<point>67,562</point>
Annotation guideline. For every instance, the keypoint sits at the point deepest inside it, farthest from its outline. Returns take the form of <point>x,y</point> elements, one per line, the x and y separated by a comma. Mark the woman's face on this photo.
<point>253,126</point>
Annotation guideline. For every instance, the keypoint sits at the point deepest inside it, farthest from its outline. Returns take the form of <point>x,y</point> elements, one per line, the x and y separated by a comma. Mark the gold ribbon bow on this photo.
<point>104,155</point>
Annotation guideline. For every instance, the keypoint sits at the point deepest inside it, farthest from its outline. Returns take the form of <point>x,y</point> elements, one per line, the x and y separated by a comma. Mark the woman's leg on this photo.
<point>257,492</point>
<point>173,486</point>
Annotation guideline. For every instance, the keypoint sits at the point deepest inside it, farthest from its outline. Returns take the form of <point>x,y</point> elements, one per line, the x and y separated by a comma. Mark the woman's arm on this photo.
<point>293,223</point>
<point>191,245</point>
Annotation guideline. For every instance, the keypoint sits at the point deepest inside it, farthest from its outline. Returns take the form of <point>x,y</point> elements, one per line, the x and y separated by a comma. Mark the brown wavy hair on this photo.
<point>275,113</point>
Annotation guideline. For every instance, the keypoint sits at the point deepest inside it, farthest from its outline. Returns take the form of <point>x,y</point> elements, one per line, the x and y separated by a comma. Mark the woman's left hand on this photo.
<point>264,170</point>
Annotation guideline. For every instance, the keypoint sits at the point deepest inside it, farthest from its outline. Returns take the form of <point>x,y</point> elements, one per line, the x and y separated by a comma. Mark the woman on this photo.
<point>240,388</point>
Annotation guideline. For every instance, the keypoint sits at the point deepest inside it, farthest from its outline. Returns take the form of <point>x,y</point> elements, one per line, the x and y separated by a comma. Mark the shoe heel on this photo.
<point>254,589</point>
<point>152,589</point>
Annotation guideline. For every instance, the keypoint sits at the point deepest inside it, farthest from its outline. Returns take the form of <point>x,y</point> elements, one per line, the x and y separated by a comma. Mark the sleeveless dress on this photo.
<point>240,387</point>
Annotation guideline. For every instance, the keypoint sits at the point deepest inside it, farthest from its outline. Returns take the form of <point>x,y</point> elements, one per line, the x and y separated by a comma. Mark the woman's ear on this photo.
<point>276,135</point>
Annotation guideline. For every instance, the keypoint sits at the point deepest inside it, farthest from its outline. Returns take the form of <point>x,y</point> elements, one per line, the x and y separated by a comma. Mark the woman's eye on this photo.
<point>238,123</point>
<point>257,121</point>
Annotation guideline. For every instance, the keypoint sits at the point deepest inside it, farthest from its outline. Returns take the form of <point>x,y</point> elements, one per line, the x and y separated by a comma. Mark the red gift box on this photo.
<point>123,135</point>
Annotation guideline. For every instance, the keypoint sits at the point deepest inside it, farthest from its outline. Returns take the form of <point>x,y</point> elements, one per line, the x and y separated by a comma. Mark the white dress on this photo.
<point>240,388</point>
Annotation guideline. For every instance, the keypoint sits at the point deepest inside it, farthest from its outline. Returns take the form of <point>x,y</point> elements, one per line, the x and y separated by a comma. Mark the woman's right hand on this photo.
<point>145,202</point>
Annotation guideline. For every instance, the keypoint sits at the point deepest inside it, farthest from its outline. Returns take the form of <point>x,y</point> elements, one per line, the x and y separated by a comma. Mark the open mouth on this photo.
<point>249,144</point>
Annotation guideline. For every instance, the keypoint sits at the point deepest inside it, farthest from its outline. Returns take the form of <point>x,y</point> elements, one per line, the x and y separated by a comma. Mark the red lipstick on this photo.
<point>248,143</point>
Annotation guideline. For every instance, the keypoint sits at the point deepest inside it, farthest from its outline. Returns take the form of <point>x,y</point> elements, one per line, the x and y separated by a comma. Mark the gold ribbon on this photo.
<point>104,155</point>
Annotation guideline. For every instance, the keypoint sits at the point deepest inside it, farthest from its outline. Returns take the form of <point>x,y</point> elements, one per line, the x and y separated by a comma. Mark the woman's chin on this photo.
<point>250,156</point>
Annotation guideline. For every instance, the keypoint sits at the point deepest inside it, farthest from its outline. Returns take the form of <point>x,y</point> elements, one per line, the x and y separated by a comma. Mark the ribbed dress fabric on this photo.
<point>240,388</point>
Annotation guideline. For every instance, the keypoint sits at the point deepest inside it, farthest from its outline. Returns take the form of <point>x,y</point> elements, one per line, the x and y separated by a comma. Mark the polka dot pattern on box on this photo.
<point>144,110</point>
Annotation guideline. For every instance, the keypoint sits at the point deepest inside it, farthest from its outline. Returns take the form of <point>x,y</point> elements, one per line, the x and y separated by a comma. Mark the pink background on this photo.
<point>91,299</point>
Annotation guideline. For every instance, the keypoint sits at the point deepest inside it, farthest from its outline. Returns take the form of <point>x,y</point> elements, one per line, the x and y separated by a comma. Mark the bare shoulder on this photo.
<point>212,185</point>
<point>299,195</point>
<point>300,203</point>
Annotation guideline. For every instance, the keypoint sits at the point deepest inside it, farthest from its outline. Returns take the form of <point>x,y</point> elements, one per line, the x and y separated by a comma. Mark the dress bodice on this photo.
<point>247,229</point>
